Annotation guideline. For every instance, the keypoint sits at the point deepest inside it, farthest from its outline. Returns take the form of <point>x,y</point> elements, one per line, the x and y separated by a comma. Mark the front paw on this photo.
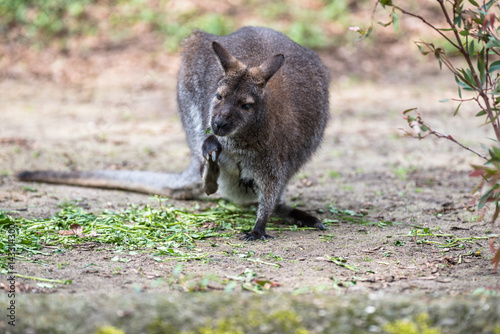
<point>252,236</point>
<point>211,149</point>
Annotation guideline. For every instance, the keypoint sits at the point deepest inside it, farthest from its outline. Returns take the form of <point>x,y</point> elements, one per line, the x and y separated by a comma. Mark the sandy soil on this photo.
<point>119,112</point>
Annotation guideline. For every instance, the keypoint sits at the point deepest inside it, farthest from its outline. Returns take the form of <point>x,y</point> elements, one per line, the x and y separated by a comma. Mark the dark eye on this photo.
<point>246,106</point>
<point>218,96</point>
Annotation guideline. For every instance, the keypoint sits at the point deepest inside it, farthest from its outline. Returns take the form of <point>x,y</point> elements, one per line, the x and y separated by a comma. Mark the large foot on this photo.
<point>252,236</point>
<point>303,219</point>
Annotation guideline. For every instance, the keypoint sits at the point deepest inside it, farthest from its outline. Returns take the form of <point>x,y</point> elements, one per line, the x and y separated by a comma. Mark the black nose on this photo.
<point>218,124</point>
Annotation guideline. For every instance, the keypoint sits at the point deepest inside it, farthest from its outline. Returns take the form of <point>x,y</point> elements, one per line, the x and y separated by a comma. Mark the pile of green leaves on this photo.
<point>161,230</point>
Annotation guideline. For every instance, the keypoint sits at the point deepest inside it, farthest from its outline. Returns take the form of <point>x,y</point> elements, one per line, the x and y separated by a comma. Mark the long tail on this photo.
<point>185,185</point>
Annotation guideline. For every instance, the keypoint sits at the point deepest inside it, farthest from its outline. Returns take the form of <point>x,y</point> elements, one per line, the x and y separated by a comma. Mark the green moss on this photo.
<point>419,326</point>
<point>284,321</point>
<point>158,326</point>
<point>109,330</point>
<point>251,321</point>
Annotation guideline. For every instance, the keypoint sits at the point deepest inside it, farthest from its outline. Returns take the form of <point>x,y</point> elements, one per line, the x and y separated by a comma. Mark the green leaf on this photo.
<point>464,32</point>
<point>5,220</point>
<point>487,197</point>
<point>489,4</point>
<point>458,18</point>
<point>368,31</point>
<point>386,3</point>
<point>459,79</point>
<point>481,113</point>
<point>340,261</point>
<point>409,110</point>
<point>481,66</point>
<point>385,24</point>
<point>493,43</point>
<point>445,100</point>
<point>495,66</point>
<point>497,91</point>
<point>422,51</point>
<point>471,48</point>
<point>456,110</point>
<point>364,34</point>
<point>395,21</point>
<point>474,3</point>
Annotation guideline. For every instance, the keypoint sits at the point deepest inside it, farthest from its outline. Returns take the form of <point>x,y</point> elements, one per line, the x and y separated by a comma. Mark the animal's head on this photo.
<point>240,94</point>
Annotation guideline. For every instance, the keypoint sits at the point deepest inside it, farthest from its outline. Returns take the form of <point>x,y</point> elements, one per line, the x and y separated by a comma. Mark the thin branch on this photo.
<point>404,11</point>
<point>450,137</point>
<point>464,100</point>
<point>416,124</point>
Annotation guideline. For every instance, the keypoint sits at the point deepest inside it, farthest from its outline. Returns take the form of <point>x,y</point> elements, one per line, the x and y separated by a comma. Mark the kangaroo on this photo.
<point>254,106</point>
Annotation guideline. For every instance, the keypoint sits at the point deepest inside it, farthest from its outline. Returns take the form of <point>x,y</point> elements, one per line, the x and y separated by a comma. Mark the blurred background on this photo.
<point>87,23</point>
<point>37,36</point>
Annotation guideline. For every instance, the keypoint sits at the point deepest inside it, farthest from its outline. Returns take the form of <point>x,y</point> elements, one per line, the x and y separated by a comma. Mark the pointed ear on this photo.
<point>227,61</point>
<point>267,69</point>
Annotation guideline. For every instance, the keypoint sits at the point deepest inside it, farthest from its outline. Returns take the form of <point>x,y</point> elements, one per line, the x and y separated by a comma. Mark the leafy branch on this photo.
<point>420,129</point>
<point>473,29</point>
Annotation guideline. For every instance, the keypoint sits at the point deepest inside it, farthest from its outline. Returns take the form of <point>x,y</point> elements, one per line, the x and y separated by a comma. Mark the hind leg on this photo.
<point>298,217</point>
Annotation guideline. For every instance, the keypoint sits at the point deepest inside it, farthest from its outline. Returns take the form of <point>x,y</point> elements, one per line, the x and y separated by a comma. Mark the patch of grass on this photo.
<point>342,262</point>
<point>251,281</point>
<point>68,281</point>
<point>273,256</point>
<point>401,173</point>
<point>343,283</point>
<point>162,230</point>
<point>327,237</point>
<point>354,217</point>
<point>333,174</point>
<point>421,236</point>
<point>399,243</point>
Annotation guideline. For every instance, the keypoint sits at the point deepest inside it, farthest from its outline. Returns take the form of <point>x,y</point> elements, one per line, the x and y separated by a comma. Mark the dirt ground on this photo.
<point>117,111</point>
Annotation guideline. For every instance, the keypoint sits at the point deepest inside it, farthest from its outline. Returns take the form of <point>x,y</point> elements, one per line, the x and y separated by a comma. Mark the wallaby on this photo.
<point>254,105</point>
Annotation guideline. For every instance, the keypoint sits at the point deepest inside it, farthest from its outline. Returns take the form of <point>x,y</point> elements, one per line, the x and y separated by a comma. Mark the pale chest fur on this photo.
<point>237,178</point>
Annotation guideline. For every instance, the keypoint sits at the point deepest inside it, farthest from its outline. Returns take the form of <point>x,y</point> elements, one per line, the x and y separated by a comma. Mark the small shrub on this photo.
<point>473,32</point>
